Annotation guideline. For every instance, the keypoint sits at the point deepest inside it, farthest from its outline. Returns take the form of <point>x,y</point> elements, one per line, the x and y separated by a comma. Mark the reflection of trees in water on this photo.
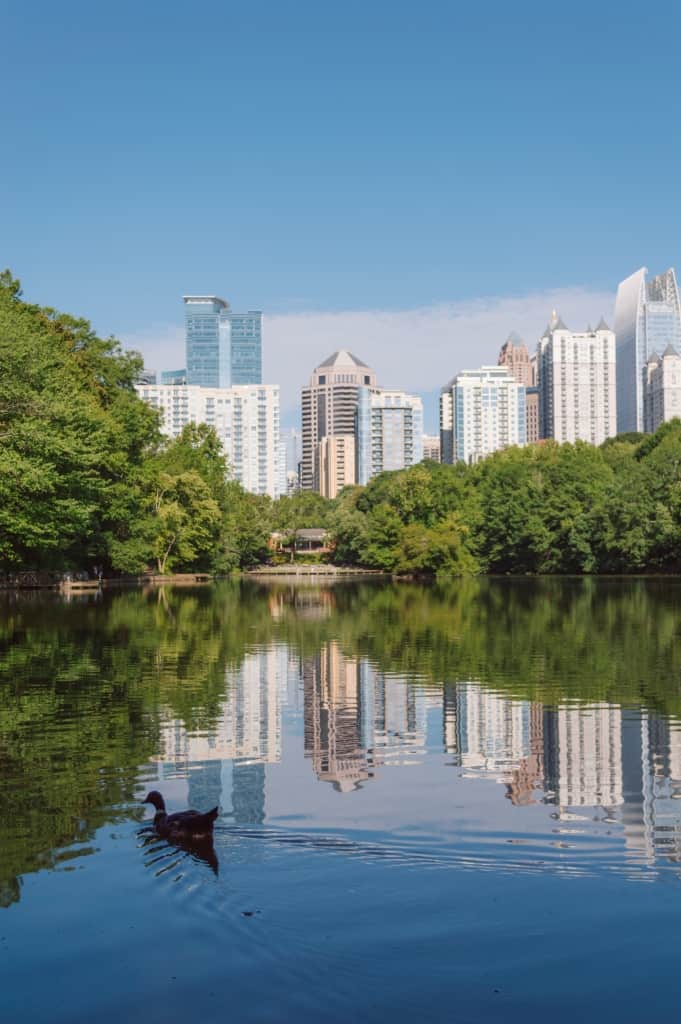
<point>86,686</point>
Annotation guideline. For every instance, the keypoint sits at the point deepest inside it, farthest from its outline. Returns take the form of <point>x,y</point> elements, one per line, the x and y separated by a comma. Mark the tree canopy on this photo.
<point>86,478</point>
<point>542,509</point>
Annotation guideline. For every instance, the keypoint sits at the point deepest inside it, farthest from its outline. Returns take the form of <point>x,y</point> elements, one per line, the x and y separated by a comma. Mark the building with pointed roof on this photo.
<point>515,356</point>
<point>329,407</point>
<point>647,318</point>
<point>661,388</point>
<point>576,380</point>
<point>342,358</point>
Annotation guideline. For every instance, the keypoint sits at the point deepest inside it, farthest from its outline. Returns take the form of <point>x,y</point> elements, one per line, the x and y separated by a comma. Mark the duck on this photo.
<point>182,824</point>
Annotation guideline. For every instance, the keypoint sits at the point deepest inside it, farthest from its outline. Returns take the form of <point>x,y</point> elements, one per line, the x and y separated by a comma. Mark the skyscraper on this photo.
<point>208,334</point>
<point>516,358</point>
<point>577,383</point>
<point>647,319</point>
<point>223,347</point>
<point>481,411</point>
<point>329,405</point>
<point>246,357</point>
<point>389,431</point>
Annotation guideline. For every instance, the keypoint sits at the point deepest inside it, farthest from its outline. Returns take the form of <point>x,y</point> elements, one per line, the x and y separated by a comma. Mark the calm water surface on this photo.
<point>437,803</point>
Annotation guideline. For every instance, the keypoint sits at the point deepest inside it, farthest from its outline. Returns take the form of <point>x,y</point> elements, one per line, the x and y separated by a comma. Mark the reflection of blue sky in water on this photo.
<point>457,774</point>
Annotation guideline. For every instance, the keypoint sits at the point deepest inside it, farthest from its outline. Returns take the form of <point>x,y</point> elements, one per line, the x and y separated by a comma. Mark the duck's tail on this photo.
<point>212,815</point>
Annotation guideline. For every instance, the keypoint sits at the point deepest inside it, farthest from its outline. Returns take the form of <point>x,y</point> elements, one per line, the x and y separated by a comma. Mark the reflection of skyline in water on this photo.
<point>596,762</point>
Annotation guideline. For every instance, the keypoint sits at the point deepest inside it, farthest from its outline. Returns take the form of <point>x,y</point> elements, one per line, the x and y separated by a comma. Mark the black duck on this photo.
<point>182,824</point>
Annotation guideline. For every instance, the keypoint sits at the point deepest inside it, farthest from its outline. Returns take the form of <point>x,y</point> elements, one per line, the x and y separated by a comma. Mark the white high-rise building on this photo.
<point>661,389</point>
<point>577,400</point>
<point>647,319</point>
<point>481,411</point>
<point>245,418</point>
<point>389,431</point>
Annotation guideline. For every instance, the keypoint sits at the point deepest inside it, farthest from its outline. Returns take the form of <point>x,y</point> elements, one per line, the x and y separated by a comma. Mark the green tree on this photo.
<point>186,522</point>
<point>73,438</point>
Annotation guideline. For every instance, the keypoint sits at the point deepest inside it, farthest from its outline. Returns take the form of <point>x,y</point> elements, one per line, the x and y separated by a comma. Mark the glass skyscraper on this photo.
<point>223,348</point>
<point>209,349</point>
<point>173,377</point>
<point>647,320</point>
<point>246,358</point>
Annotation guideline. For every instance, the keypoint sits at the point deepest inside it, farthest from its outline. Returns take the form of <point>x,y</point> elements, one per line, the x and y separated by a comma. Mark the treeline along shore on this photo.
<point>88,483</point>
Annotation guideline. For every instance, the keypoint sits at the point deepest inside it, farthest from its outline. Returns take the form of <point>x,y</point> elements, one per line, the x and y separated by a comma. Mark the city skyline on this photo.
<point>338,455</point>
<point>450,335</point>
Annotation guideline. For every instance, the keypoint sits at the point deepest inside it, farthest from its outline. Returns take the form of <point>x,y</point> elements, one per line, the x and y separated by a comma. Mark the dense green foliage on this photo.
<point>85,476</point>
<point>547,508</point>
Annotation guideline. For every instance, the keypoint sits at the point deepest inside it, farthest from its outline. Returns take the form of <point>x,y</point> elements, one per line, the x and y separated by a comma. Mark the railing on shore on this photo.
<point>311,569</point>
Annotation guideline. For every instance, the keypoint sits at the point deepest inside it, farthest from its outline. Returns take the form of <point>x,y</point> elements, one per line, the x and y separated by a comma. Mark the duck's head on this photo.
<point>156,799</point>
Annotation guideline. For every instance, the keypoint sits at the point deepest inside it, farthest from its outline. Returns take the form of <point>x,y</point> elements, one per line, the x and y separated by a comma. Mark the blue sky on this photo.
<point>311,158</point>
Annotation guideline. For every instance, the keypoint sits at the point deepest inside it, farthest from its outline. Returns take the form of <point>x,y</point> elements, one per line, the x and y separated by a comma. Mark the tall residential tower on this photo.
<point>389,431</point>
<point>577,383</point>
<point>481,411</point>
<point>245,418</point>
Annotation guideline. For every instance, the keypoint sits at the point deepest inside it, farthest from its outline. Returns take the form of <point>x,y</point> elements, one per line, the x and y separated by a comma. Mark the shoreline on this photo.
<point>92,586</point>
<point>300,572</point>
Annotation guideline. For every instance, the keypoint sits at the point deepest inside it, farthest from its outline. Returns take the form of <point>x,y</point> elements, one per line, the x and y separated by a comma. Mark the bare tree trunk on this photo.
<point>162,560</point>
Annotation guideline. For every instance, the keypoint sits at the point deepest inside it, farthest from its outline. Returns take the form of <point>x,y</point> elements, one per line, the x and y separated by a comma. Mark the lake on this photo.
<point>441,802</point>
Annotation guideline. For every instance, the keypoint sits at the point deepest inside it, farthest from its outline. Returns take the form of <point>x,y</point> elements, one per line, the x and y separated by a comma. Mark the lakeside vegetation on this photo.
<point>542,509</point>
<point>87,479</point>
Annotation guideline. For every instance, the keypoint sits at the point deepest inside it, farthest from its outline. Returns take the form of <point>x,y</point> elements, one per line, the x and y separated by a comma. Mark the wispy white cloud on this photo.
<point>418,349</point>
